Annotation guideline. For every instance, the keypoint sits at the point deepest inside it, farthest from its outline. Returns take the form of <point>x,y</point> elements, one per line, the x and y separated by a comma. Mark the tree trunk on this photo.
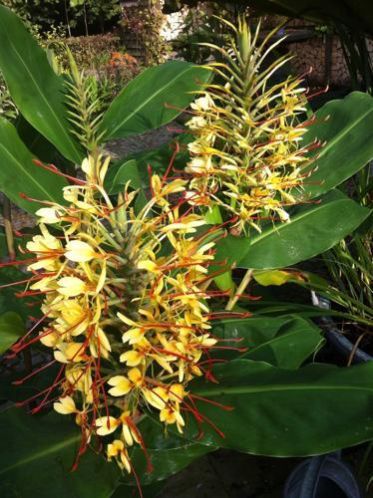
<point>85,19</point>
<point>67,19</point>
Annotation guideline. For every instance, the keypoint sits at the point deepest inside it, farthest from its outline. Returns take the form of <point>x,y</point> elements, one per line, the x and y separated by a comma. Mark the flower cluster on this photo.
<point>125,304</point>
<point>119,61</point>
<point>247,155</point>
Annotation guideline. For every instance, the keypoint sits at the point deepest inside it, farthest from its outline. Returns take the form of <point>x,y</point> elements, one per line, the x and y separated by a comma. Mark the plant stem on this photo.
<point>240,290</point>
<point>8,228</point>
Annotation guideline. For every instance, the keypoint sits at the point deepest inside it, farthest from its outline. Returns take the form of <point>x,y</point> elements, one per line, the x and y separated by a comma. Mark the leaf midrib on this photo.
<point>295,220</point>
<point>129,116</point>
<point>56,448</point>
<point>280,388</point>
<point>51,110</point>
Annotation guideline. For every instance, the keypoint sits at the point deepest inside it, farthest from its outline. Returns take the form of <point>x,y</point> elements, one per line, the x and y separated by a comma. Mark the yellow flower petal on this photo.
<point>71,286</point>
<point>135,376</point>
<point>48,215</point>
<point>79,251</point>
<point>121,385</point>
<point>131,358</point>
<point>106,425</point>
<point>65,406</point>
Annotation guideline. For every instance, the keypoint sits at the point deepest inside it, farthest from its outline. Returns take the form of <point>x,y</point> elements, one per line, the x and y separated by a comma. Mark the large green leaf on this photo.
<point>168,453</point>
<point>316,409</point>
<point>285,341</point>
<point>150,491</point>
<point>346,128</point>
<point>153,98</point>
<point>11,328</point>
<point>36,457</point>
<point>168,461</point>
<point>34,87</point>
<point>312,230</point>
<point>52,444</point>
<point>18,174</point>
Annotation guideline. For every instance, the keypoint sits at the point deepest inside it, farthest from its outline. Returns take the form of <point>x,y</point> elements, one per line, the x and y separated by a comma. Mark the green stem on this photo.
<point>240,290</point>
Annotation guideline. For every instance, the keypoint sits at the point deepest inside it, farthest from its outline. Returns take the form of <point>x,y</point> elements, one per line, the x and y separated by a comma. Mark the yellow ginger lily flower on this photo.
<point>70,352</point>
<point>117,450</point>
<point>259,144</point>
<point>79,251</point>
<point>107,425</point>
<point>127,321</point>
<point>123,385</point>
<point>71,286</point>
<point>65,406</point>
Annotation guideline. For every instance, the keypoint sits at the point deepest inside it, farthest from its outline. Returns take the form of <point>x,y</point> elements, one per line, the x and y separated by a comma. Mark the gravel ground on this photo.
<point>139,143</point>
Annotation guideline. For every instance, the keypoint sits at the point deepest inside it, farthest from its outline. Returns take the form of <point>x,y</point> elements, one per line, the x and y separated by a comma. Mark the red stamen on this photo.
<point>32,374</point>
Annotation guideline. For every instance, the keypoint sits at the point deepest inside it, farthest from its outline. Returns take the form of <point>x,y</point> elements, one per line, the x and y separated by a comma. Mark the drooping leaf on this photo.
<point>345,127</point>
<point>36,90</point>
<point>154,98</point>
<point>36,457</point>
<point>11,328</point>
<point>311,231</point>
<point>18,173</point>
<point>285,341</point>
<point>316,409</point>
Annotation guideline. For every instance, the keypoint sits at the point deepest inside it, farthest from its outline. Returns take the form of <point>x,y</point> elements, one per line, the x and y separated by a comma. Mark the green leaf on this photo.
<point>346,127</point>
<point>272,277</point>
<point>311,231</point>
<point>18,174</point>
<point>39,146</point>
<point>11,328</point>
<point>313,410</point>
<point>295,342</point>
<point>36,90</point>
<point>169,461</point>
<point>168,453</point>
<point>119,174</point>
<point>36,457</point>
<point>285,341</point>
<point>150,491</point>
<point>154,98</point>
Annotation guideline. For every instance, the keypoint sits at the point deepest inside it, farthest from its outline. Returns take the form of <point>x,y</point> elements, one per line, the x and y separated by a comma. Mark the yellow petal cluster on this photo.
<point>125,304</point>
<point>248,156</point>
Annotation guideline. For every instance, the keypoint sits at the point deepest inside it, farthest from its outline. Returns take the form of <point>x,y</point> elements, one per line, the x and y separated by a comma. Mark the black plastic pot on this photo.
<point>334,337</point>
<point>322,477</point>
<point>327,476</point>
